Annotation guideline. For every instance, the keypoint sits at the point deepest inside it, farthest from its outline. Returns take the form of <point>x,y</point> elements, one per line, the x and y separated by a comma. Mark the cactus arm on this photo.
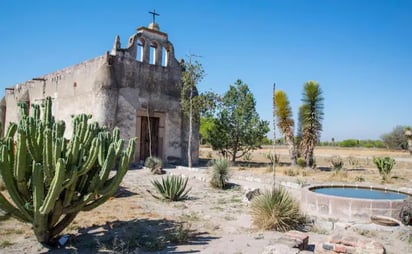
<point>82,183</point>
<point>103,147</point>
<point>6,173</point>
<point>36,111</point>
<point>23,109</point>
<point>11,130</point>
<point>40,220</point>
<point>68,196</point>
<point>38,186</point>
<point>116,134</point>
<point>20,164</point>
<point>55,188</point>
<point>31,141</point>
<point>111,185</point>
<point>13,211</point>
<point>108,164</point>
<point>83,127</point>
<point>48,118</point>
<point>10,152</point>
<point>91,159</point>
<point>48,156</point>
<point>79,205</point>
<point>73,155</point>
<point>94,182</point>
<point>119,146</point>
<point>39,137</point>
<point>96,203</point>
<point>57,213</point>
<point>57,151</point>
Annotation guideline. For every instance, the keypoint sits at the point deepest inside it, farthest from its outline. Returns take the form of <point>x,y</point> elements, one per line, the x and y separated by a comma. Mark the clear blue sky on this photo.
<point>360,51</point>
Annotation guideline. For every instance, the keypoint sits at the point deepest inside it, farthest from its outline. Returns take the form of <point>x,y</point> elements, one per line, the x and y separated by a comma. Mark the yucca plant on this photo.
<point>220,173</point>
<point>276,210</point>
<point>273,158</point>
<point>384,165</point>
<point>337,162</point>
<point>155,165</point>
<point>172,188</point>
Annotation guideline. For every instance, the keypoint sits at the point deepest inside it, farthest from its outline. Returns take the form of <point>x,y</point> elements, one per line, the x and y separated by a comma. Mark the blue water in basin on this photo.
<point>354,192</point>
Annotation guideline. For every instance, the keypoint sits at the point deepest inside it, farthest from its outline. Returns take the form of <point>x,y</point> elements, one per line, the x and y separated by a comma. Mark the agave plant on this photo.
<point>220,173</point>
<point>276,210</point>
<point>172,188</point>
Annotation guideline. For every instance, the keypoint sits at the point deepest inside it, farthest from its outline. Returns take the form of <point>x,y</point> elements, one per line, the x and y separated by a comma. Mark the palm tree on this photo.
<point>311,116</point>
<point>285,122</point>
<point>408,134</point>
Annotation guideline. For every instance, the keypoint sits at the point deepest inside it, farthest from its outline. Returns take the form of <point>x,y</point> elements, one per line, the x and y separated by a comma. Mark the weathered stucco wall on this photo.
<point>71,89</point>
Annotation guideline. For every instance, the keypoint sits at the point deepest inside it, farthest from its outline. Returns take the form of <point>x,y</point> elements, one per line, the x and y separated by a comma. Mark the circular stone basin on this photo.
<point>350,202</point>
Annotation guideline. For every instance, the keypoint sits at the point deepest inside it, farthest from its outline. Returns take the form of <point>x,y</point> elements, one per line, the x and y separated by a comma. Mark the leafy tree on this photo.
<point>237,128</point>
<point>192,74</point>
<point>206,124</point>
<point>266,141</point>
<point>285,122</point>
<point>395,139</point>
<point>310,116</point>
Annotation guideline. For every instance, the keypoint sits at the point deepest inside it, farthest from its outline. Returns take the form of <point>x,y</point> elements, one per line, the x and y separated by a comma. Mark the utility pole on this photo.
<point>274,137</point>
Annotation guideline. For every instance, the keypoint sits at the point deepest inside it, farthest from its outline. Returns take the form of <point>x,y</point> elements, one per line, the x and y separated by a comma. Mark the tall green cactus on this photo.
<point>50,179</point>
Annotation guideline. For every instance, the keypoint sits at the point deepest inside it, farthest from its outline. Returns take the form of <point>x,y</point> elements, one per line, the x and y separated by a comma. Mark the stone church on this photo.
<point>136,88</point>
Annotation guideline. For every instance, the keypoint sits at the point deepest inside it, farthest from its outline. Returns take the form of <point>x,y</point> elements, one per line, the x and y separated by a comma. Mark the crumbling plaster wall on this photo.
<point>72,90</point>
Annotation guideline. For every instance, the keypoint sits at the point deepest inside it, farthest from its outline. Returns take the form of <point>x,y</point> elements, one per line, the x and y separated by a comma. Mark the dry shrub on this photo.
<point>155,165</point>
<point>277,210</point>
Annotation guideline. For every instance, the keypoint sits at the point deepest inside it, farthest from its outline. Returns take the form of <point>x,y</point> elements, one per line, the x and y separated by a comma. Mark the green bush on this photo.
<point>220,173</point>
<point>384,165</point>
<point>155,165</point>
<point>349,143</point>
<point>337,162</point>
<point>301,162</point>
<point>172,188</point>
<point>276,210</point>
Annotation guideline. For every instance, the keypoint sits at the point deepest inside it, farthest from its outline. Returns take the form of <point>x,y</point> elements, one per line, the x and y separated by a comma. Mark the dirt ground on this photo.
<point>214,221</point>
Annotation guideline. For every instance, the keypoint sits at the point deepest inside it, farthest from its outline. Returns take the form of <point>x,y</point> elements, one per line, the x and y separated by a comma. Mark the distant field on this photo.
<point>358,165</point>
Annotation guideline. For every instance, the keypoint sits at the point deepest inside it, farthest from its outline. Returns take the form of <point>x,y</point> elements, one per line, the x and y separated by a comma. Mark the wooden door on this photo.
<point>149,137</point>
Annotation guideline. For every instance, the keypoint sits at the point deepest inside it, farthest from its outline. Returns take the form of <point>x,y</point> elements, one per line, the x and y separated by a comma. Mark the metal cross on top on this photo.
<point>154,15</point>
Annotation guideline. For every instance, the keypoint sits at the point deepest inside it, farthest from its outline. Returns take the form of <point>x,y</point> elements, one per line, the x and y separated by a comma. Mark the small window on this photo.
<point>152,58</point>
<point>139,48</point>
<point>165,56</point>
